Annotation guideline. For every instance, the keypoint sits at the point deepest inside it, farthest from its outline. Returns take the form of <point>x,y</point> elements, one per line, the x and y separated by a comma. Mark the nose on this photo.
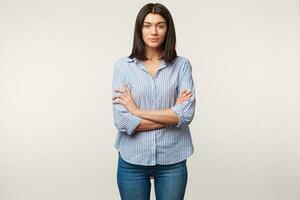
<point>153,30</point>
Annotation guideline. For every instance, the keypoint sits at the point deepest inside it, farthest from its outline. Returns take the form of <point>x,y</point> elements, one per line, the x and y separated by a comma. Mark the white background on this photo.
<point>56,126</point>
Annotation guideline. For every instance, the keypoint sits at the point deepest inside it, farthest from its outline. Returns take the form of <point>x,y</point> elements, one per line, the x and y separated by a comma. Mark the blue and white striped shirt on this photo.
<point>167,145</point>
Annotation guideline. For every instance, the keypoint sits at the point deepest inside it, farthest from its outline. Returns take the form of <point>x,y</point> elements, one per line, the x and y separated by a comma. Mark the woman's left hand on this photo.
<point>126,99</point>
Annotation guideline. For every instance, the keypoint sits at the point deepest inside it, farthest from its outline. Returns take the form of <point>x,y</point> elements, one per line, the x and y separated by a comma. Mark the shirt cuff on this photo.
<point>133,123</point>
<point>178,110</point>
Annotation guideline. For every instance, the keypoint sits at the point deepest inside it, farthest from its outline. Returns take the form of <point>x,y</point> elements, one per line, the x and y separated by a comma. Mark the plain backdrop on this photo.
<point>56,126</point>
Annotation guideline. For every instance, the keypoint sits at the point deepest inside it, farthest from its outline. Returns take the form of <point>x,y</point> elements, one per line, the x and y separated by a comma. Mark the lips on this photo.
<point>153,39</point>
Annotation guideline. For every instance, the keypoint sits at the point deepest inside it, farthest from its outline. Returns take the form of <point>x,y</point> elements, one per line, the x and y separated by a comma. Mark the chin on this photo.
<point>153,45</point>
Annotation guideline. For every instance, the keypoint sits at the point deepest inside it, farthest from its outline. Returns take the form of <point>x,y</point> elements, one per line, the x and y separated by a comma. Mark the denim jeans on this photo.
<point>134,181</point>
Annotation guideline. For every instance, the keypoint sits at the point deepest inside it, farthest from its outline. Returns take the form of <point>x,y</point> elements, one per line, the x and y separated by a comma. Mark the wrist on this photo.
<point>137,112</point>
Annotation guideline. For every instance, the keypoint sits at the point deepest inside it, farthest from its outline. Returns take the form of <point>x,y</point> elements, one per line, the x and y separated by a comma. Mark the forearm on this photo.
<point>165,116</point>
<point>148,125</point>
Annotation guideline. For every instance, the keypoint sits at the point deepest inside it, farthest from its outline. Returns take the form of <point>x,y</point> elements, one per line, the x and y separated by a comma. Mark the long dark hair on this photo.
<point>168,46</point>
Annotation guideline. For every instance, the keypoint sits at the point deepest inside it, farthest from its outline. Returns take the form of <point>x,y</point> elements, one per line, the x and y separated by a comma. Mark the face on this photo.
<point>154,30</point>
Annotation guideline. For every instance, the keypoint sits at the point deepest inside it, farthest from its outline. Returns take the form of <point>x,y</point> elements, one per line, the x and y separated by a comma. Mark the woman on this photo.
<point>153,104</point>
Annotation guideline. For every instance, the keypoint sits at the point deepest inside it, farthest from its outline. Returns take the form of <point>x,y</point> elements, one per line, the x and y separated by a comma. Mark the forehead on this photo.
<point>154,18</point>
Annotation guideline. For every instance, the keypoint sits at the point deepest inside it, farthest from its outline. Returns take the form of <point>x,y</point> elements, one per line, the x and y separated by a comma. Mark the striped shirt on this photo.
<point>167,145</point>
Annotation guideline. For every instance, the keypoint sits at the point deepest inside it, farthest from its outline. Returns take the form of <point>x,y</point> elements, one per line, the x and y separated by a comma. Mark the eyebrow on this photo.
<point>156,23</point>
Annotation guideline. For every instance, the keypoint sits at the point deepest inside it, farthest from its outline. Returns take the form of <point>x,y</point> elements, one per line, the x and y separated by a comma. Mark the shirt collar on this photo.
<point>130,60</point>
<point>140,64</point>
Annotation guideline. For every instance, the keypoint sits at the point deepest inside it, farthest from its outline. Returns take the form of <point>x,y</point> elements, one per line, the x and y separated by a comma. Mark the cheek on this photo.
<point>144,34</point>
<point>163,32</point>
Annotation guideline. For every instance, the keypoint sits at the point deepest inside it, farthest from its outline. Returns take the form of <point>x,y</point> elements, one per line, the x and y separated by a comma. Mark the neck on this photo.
<point>153,53</point>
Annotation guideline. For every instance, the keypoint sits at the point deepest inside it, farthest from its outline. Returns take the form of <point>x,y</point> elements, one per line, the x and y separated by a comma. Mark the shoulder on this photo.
<point>123,62</point>
<point>182,59</point>
<point>182,62</point>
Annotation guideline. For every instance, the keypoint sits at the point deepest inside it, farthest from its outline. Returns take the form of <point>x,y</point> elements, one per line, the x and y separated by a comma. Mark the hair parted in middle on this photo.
<point>169,44</point>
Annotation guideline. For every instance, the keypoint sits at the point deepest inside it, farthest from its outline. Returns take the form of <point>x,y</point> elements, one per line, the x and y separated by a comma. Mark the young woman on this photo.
<point>153,105</point>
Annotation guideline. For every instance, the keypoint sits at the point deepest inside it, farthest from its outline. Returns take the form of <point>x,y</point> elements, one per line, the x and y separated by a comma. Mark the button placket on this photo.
<point>153,107</point>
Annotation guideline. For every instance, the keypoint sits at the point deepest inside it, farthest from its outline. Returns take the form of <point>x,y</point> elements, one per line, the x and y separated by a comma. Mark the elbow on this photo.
<point>126,123</point>
<point>120,127</point>
<point>189,113</point>
<point>119,123</point>
<point>185,114</point>
<point>123,128</point>
<point>189,118</point>
<point>186,118</point>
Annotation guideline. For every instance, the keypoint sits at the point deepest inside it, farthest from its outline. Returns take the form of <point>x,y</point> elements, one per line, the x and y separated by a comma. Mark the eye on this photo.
<point>146,26</point>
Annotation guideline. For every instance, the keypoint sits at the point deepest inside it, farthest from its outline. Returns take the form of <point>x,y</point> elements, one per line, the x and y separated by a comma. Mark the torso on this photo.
<point>174,144</point>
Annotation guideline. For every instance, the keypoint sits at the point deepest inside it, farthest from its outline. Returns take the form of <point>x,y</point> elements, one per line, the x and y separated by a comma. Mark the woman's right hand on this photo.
<point>183,96</point>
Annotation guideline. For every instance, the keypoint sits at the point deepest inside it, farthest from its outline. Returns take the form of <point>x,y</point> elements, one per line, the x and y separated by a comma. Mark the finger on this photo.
<point>187,91</point>
<point>118,97</point>
<point>186,94</point>
<point>119,90</point>
<point>187,98</point>
<point>127,88</point>
<point>182,92</point>
<point>116,101</point>
<point>115,97</point>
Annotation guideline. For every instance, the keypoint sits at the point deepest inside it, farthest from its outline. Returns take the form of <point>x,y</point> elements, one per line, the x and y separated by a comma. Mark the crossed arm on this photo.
<point>150,119</point>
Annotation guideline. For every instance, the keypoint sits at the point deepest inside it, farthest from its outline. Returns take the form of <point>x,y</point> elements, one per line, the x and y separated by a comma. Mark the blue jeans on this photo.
<point>134,181</point>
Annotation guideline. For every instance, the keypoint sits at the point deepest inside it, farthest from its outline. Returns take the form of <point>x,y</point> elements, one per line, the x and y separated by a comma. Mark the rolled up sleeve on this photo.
<point>124,121</point>
<point>186,110</point>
